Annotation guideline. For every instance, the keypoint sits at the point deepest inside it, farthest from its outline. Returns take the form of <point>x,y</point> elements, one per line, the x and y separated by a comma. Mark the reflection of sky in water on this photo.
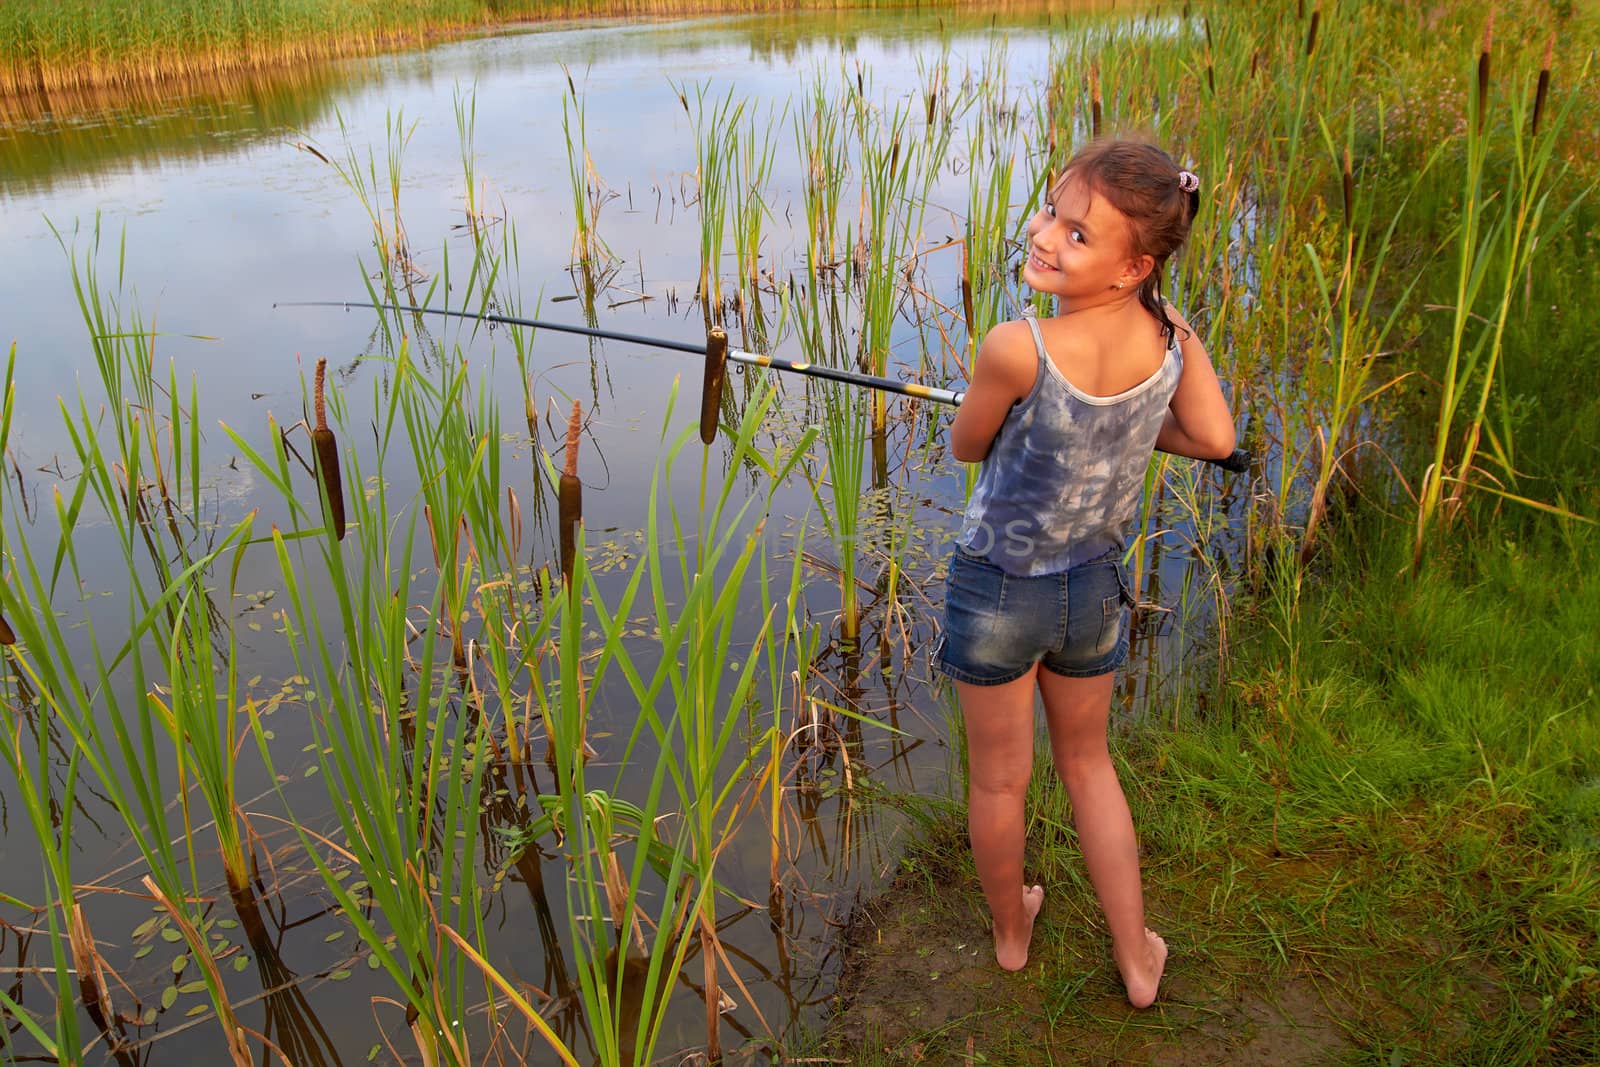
<point>214,240</point>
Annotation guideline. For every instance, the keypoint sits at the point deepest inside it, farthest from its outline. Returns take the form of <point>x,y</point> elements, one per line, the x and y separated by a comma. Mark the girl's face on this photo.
<point>1079,246</point>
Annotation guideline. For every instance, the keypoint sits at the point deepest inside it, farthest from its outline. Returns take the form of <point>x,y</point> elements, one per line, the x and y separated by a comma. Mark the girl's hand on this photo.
<point>1198,423</point>
<point>1003,374</point>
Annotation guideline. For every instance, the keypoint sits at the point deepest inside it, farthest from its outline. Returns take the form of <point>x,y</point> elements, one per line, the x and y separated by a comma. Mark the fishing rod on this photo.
<point>717,355</point>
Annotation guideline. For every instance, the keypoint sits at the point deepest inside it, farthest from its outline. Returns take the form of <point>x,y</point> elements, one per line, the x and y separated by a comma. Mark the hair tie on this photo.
<point>1188,181</point>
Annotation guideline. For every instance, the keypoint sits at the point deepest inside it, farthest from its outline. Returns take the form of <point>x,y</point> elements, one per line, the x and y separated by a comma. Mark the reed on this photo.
<point>698,735</point>
<point>750,170</point>
<point>403,769</point>
<point>1355,328</point>
<point>991,230</point>
<point>824,166</point>
<point>1495,246</point>
<point>48,814</point>
<point>716,135</point>
<point>155,714</point>
<point>588,193</point>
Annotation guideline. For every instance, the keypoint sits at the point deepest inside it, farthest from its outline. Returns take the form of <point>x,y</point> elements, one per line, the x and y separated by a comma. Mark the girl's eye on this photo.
<point>1049,209</point>
<point>1076,235</point>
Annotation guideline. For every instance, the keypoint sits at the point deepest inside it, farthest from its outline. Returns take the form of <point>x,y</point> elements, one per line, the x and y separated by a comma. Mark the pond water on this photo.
<point>218,216</point>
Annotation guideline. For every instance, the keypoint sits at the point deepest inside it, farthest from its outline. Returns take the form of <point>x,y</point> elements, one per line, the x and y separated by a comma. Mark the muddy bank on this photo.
<point>920,986</point>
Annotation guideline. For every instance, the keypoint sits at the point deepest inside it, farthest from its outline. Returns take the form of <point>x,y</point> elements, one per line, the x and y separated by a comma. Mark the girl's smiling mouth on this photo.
<point>1037,263</point>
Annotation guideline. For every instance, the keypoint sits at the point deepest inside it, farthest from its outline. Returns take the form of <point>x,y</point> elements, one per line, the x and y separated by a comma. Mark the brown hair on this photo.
<point>1142,182</point>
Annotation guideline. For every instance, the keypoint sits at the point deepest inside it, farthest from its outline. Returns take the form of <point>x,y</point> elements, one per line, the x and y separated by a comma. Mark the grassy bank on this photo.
<point>1374,842</point>
<point>1374,838</point>
<point>1380,849</point>
<point>53,46</point>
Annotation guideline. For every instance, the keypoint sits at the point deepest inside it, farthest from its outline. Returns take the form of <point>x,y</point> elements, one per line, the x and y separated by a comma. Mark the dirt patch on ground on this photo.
<point>920,986</point>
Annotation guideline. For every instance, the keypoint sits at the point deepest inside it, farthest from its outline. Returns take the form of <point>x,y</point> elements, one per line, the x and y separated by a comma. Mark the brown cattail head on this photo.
<point>1095,109</point>
<point>8,636</point>
<point>1543,90</point>
<point>1349,192</point>
<point>1311,35</point>
<point>1483,68</point>
<point>711,384</point>
<point>325,447</point>
<point>569,497</point>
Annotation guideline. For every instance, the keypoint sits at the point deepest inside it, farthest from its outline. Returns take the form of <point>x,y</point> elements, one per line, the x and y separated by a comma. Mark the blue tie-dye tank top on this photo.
<point>1063,476</point>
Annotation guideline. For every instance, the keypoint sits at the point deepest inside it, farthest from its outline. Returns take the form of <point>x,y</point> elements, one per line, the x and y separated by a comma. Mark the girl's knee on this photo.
<point>1083,762</point>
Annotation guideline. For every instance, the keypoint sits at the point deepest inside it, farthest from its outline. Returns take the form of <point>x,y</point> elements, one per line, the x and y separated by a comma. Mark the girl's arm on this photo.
<point>1198,422</point>
<point>1002,375</point>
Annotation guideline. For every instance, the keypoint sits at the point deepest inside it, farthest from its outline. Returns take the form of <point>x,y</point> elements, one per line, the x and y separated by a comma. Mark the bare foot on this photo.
<point>1141,969</point>
<point>1012,952</point>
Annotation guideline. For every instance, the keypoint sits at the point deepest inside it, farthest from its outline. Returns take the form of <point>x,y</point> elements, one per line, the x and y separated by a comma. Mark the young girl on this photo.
<point>1064,413</point>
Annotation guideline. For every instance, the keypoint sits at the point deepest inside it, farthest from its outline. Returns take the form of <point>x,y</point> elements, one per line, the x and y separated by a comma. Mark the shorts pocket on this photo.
<point>974,586</point>
<point>1112,608</point>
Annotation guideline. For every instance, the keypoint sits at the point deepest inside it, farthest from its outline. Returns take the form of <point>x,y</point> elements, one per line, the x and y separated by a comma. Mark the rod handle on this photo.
<point>1237,463</point>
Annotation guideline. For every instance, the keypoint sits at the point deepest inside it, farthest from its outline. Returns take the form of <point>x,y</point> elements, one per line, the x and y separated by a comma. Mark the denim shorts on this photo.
<point>998,625</point>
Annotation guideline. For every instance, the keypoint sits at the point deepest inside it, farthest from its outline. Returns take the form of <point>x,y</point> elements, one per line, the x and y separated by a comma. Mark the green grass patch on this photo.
<point>1381,848</point>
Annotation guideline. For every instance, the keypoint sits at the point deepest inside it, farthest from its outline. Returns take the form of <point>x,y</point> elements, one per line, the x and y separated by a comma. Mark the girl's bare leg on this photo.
<point>1076,710</point>
<point>999,725</point>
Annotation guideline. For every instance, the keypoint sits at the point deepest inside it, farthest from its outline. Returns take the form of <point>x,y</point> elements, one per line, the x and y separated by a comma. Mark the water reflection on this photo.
<point>75,136</point>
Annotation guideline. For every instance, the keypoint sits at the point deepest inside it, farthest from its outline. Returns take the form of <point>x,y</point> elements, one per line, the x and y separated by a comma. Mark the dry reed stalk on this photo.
<point>713,991</point>
<point>326,448</point>
<point>87,961</point>
<point>1543,91</point>
<point>238,1051</point>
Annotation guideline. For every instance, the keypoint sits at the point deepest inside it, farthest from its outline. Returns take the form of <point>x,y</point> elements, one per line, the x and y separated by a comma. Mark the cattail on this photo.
<point>1094,98</point>
<point>569,497</point>
<point>1483,69</point>
<point>966,289</point>
<point>1349,192</point>
<point>711,384</point>
<point>8,636</point>
<point>1311,35</point>
<point>326,448</point>
<point>513,522</point>
<point>1544,83</point>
